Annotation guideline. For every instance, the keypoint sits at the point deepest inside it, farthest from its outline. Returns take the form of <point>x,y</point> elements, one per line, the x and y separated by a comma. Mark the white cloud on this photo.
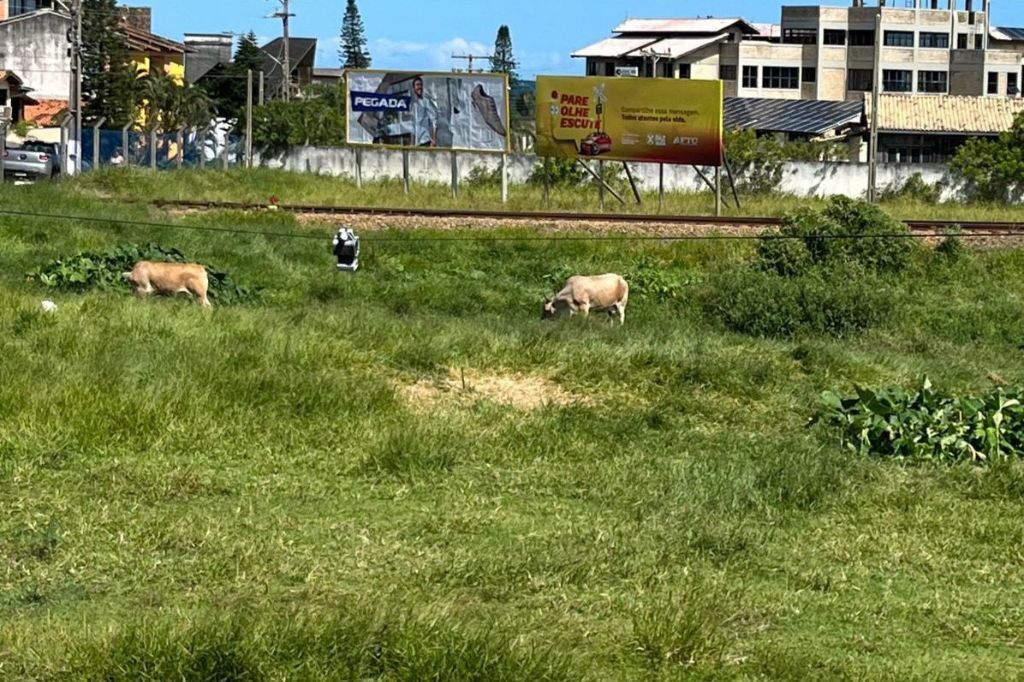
<point>412,55</point>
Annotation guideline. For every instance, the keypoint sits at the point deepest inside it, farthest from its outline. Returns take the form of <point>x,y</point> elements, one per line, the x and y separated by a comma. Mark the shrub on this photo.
<point>913,189</point>
<point>925,424</point>
<point>833,302</point>
<point>559,173</point>
<point>103,271</point>
<point>952,248</point>
<point>481,176</point>
<point>845,231</point>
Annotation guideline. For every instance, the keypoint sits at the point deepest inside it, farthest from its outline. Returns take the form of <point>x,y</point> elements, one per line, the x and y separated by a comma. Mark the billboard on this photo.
<point>625,119</point>
<point>465,111</point>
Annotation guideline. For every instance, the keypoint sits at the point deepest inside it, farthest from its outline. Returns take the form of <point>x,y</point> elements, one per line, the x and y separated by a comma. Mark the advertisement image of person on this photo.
<point>424,116</point>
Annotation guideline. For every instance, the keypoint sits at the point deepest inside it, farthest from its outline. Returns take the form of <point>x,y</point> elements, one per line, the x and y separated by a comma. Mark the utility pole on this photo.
<point>875,87</point>
<point>75,87</point>
<point>284,15</point>
<point>469,58</point>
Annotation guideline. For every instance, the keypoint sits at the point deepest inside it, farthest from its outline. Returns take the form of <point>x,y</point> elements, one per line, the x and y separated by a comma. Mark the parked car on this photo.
<point>34,160</point>
<point>595,143</point>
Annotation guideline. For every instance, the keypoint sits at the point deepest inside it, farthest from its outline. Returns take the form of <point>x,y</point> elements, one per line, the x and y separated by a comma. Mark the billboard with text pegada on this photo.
<point>428,110</point>
<point>628,119</point>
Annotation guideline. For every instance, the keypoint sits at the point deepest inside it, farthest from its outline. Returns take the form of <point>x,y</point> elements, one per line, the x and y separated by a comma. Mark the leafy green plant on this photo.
<point>926,424</point>
<point>913,189</point>
<point>832,302</point>
<point>481,176</point>
<point>758,161</point>
<point>992,170</point>
<point>651,279</point>
<point>845,231</point>
<point>952,247</point>
<point>104,271</point>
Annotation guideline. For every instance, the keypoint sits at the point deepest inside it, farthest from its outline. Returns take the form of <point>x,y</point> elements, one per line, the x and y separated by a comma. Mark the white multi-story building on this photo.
<point>827,53</point>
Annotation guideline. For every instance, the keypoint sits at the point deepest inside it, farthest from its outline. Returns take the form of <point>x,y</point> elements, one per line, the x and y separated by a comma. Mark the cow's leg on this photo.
<point>583,308</point>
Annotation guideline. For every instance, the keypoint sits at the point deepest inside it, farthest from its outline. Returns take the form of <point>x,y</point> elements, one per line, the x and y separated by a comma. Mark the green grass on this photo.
<point>258,185</point>
<point>247,494</point>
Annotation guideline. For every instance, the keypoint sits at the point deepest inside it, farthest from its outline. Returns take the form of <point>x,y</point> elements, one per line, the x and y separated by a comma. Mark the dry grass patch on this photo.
<point>520,391</point>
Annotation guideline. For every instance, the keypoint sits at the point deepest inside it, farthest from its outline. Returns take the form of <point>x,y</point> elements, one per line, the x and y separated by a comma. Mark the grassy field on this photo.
<point>258,185</point>
<point>303,488</point>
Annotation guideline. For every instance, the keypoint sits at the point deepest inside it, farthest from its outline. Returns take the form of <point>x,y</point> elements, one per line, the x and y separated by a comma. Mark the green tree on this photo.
<point>993,170</point>
<point>108,77</point>
<point>353,53</point>
<point>169,105</point>
<point>226,88</point>
<point>503,61</point>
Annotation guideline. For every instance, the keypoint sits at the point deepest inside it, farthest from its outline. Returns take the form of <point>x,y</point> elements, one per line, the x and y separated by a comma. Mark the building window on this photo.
<point>684,70</point>
<point>1011,85</point>
<point>862,37</point>
<point>860,80</point>
<point>609,69</point>
<point>939,40</point>
<point>961,41</point>
<point>810,74</point>
<point>591,68</point>
<point>3,98</point>
<point>800,36</point>
<point>932,81</point>
<point>727,72</point>
<point>781,77</point>
<point>834,36</point>
<point>899,38</point>
<point>750,76</point>
<point>993,82</point>
<point>897,80</point>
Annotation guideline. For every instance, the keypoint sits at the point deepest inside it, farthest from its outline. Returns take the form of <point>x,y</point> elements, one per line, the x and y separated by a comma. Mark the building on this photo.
<point>827,53</point>
<point>931,129</point>
<point>301,62</point>
<point>207,54</point>
<point>45,69</point>
<point>14,96</point>
<point>150,53</point>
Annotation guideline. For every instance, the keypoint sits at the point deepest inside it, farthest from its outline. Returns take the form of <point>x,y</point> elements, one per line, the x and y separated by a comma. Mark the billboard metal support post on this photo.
<point>455,175</point>
<point>732,181</point>
<point>96,143</point>
<point>152,149</point>
<point>547,181</point>
<point>600,181</point>
<point>718,190</point>
<point>632,183</point>
<point>359,168</point>
<point>504,178</point>
<point>600,184</point>
<point>405,170</point>
<point>661,187</point>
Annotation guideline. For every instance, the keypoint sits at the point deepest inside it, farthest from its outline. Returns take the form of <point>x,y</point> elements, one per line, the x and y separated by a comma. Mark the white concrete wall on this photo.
<point>35,47</point>
<point>801,179</point>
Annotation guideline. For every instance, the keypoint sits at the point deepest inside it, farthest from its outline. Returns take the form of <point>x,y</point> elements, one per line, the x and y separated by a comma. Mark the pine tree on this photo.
<point>503,61</point>
<point>353,53</point>
<point>108,78</point>
<point>226,87</point>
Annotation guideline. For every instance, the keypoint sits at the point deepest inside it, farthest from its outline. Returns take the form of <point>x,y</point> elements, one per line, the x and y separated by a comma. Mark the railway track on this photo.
<point>1007,228</point>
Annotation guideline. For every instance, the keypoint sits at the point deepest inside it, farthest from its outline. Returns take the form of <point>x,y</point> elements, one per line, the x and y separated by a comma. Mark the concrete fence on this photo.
<point>821,179</point>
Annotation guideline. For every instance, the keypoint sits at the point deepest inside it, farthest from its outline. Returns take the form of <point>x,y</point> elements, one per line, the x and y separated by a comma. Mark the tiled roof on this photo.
<point>679,47</point>
<point>946,114</point>
<point>613,47</point>
<point>143,41</point>
<point>697,25</point>
<point>1006,33</point>
<point>806,117</point>
<point>11,77</point>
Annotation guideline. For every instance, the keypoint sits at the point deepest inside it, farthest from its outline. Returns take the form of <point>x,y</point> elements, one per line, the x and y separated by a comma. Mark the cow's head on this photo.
<point>549,309</point>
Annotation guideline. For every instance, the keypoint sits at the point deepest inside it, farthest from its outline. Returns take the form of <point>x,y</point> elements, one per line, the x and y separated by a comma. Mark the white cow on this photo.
<point>170,278</point>
<point>582,294</point>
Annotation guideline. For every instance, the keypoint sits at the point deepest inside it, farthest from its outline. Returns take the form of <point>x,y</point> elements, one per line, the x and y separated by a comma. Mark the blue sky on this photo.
<point>421,35</point>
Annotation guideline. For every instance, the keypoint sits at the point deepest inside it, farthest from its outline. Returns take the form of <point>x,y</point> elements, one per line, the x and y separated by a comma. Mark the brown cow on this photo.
<point>170,278</point>
<point>582,294</point>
